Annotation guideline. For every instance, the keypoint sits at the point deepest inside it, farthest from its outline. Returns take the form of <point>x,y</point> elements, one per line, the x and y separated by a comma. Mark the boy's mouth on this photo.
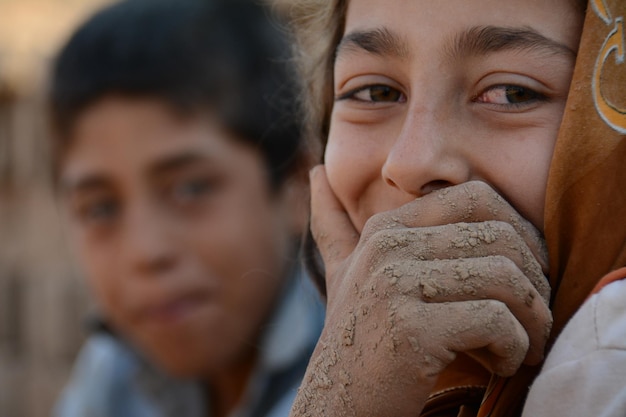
<point>174,310</point>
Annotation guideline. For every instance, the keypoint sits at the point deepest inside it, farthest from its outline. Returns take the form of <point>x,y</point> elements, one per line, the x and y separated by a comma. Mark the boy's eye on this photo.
<point>375,93</point>
<point>99,211</point>
<point>190,190</point>
<point>509,94</point>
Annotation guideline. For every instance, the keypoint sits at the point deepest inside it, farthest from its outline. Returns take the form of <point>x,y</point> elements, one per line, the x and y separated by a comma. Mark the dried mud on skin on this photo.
<point>330,381</point>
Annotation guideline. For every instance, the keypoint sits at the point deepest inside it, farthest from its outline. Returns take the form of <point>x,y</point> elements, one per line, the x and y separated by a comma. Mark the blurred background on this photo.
<point>42,299</point>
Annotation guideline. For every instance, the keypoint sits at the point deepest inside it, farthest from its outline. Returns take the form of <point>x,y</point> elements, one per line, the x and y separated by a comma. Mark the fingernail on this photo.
<point>314,171</point>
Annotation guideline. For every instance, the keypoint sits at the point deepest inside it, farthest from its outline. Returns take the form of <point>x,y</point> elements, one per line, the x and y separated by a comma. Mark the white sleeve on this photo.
<point>585,372</point>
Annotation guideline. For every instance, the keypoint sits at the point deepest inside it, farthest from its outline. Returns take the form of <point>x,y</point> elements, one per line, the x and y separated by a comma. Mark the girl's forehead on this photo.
<point>437,19</point>
<point>416,25</point>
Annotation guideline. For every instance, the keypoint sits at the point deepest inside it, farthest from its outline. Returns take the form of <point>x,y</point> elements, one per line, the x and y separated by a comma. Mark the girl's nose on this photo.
<point>426,155</point>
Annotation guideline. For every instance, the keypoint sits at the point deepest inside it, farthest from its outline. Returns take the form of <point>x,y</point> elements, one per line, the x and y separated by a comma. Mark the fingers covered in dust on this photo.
<point>490,278</point>
<point>457,241</point>
<point>455,271</point>
<point>505,256</point>
<point>470,202</point>
<point>489,333</point>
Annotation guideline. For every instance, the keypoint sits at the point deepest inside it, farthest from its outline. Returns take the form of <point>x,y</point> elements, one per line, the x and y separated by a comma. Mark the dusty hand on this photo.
<point>455,271</point>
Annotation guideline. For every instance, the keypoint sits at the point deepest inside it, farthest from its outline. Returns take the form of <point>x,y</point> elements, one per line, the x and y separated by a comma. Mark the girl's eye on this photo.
<point>375,93</point>
<point>509,95</point>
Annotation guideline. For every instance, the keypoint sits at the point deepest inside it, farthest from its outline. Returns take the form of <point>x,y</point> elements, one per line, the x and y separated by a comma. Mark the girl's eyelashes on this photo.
<point>375,93</point>
<point>509,96</point>
<point>505,96</point>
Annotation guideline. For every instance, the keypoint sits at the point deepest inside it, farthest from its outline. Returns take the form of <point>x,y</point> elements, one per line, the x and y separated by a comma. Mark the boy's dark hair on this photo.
<point>223,56</point>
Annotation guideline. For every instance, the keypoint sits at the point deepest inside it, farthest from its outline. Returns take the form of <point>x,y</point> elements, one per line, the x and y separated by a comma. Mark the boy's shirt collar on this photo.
<point>287,343</point>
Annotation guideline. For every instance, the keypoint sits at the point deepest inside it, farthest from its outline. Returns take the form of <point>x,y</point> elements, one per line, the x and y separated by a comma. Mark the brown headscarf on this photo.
<point>585,210</point>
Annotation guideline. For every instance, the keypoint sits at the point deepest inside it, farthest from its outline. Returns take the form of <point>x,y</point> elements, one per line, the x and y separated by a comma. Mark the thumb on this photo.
<point>331,227</point>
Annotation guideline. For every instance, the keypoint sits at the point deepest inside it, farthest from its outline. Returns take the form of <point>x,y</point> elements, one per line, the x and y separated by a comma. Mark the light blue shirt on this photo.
<point>112,380</point>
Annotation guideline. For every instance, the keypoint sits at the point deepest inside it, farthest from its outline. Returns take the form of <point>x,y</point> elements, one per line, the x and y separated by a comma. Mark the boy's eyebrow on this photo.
<point>174,162</point>
<point>481,40</point>
<point>95,181</point>
<point>380,42</point>
<point>89,182</point>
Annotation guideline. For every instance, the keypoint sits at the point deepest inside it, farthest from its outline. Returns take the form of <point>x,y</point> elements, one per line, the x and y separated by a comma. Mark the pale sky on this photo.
<point>30,33</point>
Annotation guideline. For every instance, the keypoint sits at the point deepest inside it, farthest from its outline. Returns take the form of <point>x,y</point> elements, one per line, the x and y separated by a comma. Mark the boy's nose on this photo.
<point>424,156</point>
<point>149,245</point>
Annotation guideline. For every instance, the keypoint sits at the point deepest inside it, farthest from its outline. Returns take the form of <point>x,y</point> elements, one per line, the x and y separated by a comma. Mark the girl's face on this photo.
<point>430,94</point>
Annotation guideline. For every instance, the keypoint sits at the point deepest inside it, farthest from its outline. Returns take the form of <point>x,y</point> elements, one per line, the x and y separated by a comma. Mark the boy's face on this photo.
<point>430,94</point>
<point>180,236</point>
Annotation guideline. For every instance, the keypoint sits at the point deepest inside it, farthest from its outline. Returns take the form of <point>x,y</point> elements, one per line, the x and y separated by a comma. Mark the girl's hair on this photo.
<point>226,57</point>
<point>318,27</point>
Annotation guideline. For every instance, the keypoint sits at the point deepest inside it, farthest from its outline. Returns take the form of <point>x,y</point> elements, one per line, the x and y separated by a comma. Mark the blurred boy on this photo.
<point>177,156</point>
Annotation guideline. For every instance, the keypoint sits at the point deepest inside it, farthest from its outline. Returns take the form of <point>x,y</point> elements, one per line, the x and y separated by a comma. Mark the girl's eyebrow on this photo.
<point>482,40</point>
<point>382,42</point>
<point>478,40</point>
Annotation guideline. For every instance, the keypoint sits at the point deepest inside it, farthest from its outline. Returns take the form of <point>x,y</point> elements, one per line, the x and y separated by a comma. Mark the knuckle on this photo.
<point>481,190</point>
<point>495,311</point>
<point>387,240</point>
<point>503,265</point>
<point>378,222</point>
<point>475,235</point>
<point>504,228</point>
<point>373,224</point>
<point>479,187</point>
